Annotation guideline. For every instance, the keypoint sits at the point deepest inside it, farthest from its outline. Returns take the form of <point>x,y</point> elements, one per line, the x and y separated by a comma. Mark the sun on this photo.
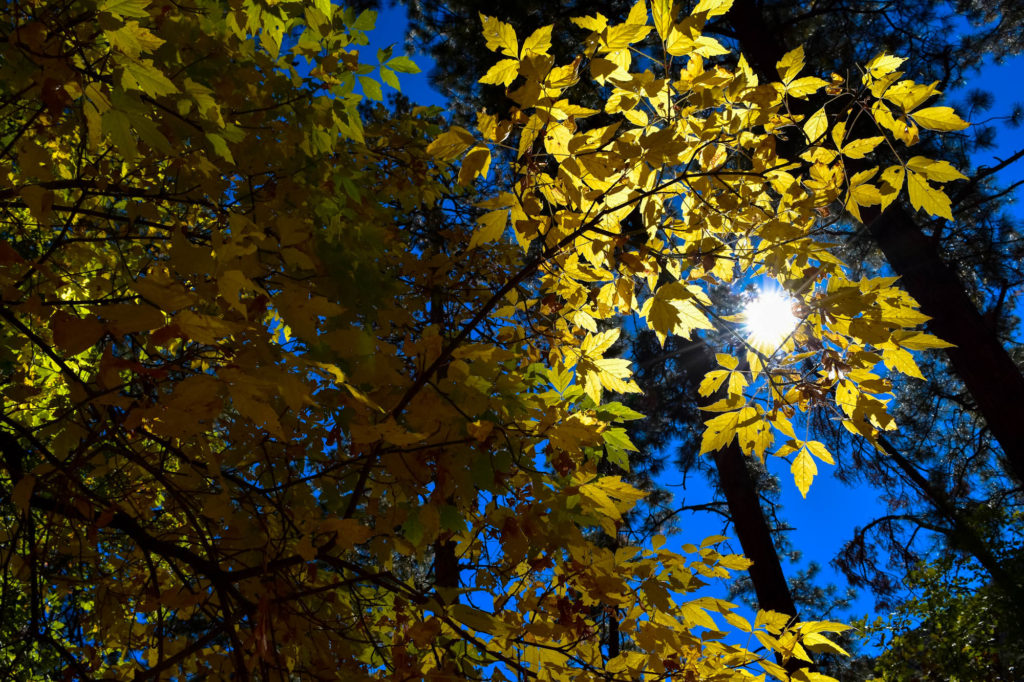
<point>769,319</point>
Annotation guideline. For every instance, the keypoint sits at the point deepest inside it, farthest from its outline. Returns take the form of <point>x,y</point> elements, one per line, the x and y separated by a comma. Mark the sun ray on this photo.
<point>769,319</point>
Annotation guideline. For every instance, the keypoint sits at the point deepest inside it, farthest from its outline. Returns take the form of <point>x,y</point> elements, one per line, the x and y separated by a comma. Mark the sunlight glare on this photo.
<point>769,319</point>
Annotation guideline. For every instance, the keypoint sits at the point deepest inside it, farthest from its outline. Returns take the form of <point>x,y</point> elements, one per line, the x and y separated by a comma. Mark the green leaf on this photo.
<point>389,77</point>
<point>366,21</point>
<point>475,618</point>
<point>617,457</point>
<point>452,519</point>
<point>371,88</point>
<point>412,530</point>
<point>616,411</point>
<point>143,75</point>
<point>116,125</point>
<point>133,40</point>
<point>402,64</point>
<point>126,8</point>
<point>616,437</point>
<point>220,147</point>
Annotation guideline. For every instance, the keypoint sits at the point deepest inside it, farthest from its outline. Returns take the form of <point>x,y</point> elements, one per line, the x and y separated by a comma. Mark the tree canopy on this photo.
<point>949,479</point>
<point>293,394</point>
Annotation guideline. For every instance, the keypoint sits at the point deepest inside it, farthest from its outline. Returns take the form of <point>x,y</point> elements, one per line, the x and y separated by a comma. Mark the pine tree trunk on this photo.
<point>748,520</point>
<point>753,532</point>
<point>979,358</point>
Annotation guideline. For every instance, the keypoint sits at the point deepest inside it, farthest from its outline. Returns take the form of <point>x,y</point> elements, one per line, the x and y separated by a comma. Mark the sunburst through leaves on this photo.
<point>769,319</point>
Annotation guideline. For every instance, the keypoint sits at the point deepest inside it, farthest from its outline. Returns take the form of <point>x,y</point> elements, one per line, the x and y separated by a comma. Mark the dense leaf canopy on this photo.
<point>287,393</point>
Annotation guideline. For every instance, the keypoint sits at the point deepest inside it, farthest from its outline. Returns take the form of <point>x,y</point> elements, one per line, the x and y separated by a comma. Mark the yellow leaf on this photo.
<point>712,381</point>
<point>737,621</point>
<point>802,87</point>
<point>791,64</point>
<point>816,125</point>
<point>126,8</point>
<point>839,134</point>
<point>892,183</point>
<point>861,193</point>
<point>594,345</point>
<point>603,492</point>
<point>803,675</point>
<point>133,40</point>
<point>924,196</point>
<point>476,619</point>
<point>613,373</point>
<point>922,341</point>
<point>909,95</point>
<point>936,171</point>
<point>737,382</point>
<point>884,64</point>
<point>596,23</point>
<point>754,433</point>
<point>502,73</point>
<point>475,163</point>
<point>858,149</point>
<point>782,423</point>
<point>143,75</point>
<point>394,433</point>
<point>246,398</point>
<point>820,644</point>
<point>661,10</point>
<point>348,532</point>
<point>492,225</point>
<point>539,42</point>
<point>231,285</point>
<point>637,117</point>
<point>126,318</point>
<point>670,311</point>
<point>204,329</point>
<point>622,36</point>
<point>803,469</point>
<point>694,615</point>
<point>713,8</point>
<point>637,14</point>
<point>719,431</point>
<point>902,361</point>
<point>939,118</point>
<point>726,404</point>
<point>726,360</point>
<point>903,129</point>
<point>819,450</point>
<point>451,143</point>
<point>500,36</point>
<point>866,195</point>
<point>772,621</point>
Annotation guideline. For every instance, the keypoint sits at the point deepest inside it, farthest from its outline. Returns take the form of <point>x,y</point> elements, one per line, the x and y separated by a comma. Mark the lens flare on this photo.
<point>769,320</point>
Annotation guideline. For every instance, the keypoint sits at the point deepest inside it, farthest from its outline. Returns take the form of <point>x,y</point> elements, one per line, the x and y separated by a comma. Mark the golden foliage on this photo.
<point>257,379</point>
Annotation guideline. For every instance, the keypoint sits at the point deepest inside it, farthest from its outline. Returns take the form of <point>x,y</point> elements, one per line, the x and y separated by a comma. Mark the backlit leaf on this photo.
<point>939,118</point>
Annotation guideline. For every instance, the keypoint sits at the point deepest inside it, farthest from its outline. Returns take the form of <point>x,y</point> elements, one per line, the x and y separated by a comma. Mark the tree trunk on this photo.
<point>980,360</point>
<point>753,532</point>
<point>748,520</point>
